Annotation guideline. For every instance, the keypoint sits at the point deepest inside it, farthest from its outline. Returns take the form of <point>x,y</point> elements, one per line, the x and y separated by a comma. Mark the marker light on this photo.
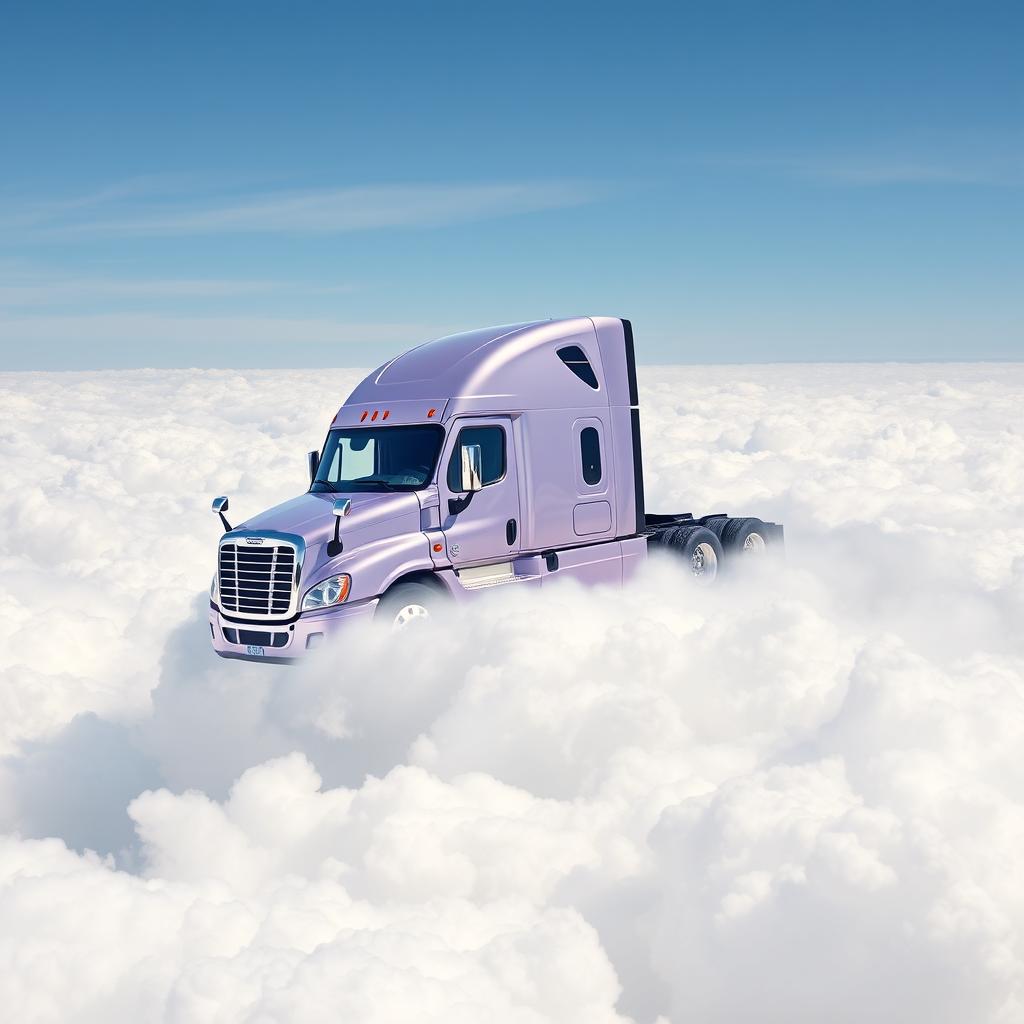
<point>387,413</point>
<point>439,547</point>
<point>374,416</point>
<point>430,412</point>
<point>363,417</point>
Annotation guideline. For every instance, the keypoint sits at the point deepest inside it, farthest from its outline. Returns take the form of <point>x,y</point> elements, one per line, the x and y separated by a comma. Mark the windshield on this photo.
<point>379,458</point>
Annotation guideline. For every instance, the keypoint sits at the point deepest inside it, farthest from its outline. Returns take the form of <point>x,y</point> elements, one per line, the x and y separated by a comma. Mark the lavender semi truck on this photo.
<point>504,456</point>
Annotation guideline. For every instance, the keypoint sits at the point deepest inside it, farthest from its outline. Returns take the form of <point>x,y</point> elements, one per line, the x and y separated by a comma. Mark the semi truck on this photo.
<point>507,456</point>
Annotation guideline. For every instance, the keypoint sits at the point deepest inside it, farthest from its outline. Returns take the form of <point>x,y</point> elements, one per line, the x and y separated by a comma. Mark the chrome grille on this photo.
<point>257,581</point>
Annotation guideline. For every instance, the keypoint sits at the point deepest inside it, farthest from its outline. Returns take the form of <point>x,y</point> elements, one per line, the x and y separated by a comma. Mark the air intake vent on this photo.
<point>260,639</point>
<point>576,359</point>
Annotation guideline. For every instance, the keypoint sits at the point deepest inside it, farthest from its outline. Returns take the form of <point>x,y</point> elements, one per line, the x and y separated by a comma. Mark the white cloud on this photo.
<point>795,798</point>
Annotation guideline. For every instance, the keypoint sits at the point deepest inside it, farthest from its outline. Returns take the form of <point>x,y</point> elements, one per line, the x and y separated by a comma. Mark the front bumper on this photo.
<point>287,643</point>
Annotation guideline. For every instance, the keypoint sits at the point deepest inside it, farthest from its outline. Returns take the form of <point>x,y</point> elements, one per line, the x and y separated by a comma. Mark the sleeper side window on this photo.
<point>590,453</point>
<point>492,448</point>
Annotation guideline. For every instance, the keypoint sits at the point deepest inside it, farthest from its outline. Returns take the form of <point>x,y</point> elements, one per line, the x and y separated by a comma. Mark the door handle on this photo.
<point>511,531</point>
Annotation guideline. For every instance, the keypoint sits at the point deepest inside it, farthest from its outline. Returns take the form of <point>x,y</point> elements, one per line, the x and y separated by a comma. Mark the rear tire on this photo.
<point>716,525</point>
<point>699,548</point>
<point>744,537</point>
<point>408,605</point>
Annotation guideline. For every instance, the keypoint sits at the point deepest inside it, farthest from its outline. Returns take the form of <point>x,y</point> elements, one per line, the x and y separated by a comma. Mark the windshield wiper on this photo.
<point>377,480</point>
<point>317,484</point>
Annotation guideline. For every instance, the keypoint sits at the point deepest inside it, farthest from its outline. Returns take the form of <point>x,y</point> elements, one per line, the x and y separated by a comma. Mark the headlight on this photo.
<point>332,590</point>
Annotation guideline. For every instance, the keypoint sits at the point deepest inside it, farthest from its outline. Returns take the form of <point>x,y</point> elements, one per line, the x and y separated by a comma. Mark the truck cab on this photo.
<point>508,456</point>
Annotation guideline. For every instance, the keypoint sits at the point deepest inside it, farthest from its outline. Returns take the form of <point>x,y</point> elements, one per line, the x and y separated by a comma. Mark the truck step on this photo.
<point>479,577</point>
<point>494,581</point>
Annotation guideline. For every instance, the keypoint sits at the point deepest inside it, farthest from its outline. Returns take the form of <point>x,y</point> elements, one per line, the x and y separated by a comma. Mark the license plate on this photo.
<point>254,652</point>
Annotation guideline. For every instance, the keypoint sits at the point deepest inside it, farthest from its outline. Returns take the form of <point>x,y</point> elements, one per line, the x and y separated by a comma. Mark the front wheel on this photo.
<point>407,605</point>
<point>700,550</point>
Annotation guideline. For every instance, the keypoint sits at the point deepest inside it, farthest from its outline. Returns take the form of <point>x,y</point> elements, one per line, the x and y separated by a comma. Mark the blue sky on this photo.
<point>227,184</point>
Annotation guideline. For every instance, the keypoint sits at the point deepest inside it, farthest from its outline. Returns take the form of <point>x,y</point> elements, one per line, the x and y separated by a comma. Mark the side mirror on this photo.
<point>220,506</point>
<point>472,467</point>
<point>342,507</point>
<point>312,464</point>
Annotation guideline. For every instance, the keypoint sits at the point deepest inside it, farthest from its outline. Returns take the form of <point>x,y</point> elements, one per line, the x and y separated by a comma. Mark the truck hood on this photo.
<point>373,517</point>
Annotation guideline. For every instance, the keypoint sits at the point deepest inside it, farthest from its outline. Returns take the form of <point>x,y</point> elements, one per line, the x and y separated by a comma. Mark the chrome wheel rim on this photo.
<point>704,563</point>
<point>409,614</point>
<point>754,542</point>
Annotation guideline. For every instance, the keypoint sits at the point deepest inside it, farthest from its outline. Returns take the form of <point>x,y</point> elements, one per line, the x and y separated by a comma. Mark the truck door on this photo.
<point>482,526</point>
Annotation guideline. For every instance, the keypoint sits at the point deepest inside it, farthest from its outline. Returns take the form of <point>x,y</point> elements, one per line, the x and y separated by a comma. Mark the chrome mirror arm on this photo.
<point>342,507</point>
<point>220,506</point>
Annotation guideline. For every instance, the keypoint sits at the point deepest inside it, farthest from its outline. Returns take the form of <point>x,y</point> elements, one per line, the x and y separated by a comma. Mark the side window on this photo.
<point>492,446</point>
<point>590,452</point>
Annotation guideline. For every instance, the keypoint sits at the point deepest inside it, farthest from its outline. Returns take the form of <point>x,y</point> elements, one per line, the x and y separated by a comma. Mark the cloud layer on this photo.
<point>795,798</point>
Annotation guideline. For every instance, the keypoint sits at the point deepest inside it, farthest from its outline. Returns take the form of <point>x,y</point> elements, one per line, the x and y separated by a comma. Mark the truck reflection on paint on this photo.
<point>508,456</point>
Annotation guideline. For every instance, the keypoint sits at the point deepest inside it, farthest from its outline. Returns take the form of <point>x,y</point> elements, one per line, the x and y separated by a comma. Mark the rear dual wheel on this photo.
<point>699,549</point>
<point>721,543</point>
<point>744,537</point>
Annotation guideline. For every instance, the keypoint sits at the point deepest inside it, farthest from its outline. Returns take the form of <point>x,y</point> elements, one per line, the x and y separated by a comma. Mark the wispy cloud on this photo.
<point>22,291</point>
<point>311,211</point>
<point>854,170</point>
<point>23,212</point>
<point>90,340</point>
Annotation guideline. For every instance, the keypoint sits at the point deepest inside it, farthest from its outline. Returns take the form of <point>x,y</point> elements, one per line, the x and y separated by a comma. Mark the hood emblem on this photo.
<point>253,540</point>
